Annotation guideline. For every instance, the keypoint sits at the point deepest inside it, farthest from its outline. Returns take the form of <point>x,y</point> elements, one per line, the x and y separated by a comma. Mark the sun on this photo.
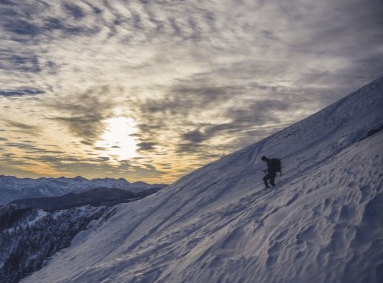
<point>118,140</point>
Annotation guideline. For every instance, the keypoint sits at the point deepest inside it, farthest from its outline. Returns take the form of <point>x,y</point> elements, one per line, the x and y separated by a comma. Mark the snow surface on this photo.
<point>323,222</point>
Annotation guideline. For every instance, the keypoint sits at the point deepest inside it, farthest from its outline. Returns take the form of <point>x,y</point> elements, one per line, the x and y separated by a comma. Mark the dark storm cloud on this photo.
<point>146,146</point>
<point>23,146</point>
<point>258,114</point>
<point>187,148</point>
<point>53,158</point>
<point>36,21</point>
<point>362,69</point>
<point>30,129</point>
<point>67,30</point>
<point>348,31</point>
<point>75,11</point>
<point>8,155</point>
<point>203,95</point>
<point>103,159</point>
<point>30,148</point>
<point>21,27</point>
<point>84,113</point>
<point>12,159</point>
<point>194,137</point>
<point>172,105</point>
<point>191,142</point>
<point>86,125</point>
<point>33,21</point>
<point>203,152</point>
<point>20,63</point>
<point>182,99</point>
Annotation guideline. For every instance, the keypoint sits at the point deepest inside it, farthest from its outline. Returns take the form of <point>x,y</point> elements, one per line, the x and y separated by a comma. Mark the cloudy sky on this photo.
<point>153,89</point>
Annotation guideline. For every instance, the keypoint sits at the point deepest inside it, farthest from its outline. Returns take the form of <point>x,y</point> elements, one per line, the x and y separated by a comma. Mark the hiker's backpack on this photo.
<point>275,165</point>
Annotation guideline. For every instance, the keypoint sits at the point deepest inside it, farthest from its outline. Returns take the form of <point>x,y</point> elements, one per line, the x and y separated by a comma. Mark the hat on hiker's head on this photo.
<point>264,158</point>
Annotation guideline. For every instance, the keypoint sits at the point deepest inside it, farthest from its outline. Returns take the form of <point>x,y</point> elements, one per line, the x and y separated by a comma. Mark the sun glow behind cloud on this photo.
<point>118,141</point>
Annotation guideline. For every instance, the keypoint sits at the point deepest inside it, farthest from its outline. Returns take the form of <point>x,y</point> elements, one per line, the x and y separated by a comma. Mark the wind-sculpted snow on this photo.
<point>321,223</point>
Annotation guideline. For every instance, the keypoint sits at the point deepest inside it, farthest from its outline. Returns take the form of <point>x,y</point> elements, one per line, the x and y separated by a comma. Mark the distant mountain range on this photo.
<point>94,197</point>
<point>13,188</point>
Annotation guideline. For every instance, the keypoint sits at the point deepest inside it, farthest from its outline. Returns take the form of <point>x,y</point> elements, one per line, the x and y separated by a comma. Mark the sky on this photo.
<point>150,90</point>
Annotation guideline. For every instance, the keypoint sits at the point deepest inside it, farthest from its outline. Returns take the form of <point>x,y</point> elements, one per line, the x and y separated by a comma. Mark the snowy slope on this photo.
<point>322,223</point>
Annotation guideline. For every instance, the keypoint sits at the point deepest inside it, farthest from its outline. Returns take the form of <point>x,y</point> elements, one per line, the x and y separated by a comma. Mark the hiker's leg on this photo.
<point>265,180</point>
<point>272,178</point>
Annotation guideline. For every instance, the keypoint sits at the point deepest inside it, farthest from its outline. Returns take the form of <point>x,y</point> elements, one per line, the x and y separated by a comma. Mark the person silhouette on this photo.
<point>273,166</point>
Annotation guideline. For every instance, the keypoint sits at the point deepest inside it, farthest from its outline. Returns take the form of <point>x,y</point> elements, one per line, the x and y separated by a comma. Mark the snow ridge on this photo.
<point>322,222</point>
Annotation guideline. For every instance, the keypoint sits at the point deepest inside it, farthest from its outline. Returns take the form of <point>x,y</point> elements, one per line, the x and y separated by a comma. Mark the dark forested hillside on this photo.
<point>32,230</point>
<point>28,237</point>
